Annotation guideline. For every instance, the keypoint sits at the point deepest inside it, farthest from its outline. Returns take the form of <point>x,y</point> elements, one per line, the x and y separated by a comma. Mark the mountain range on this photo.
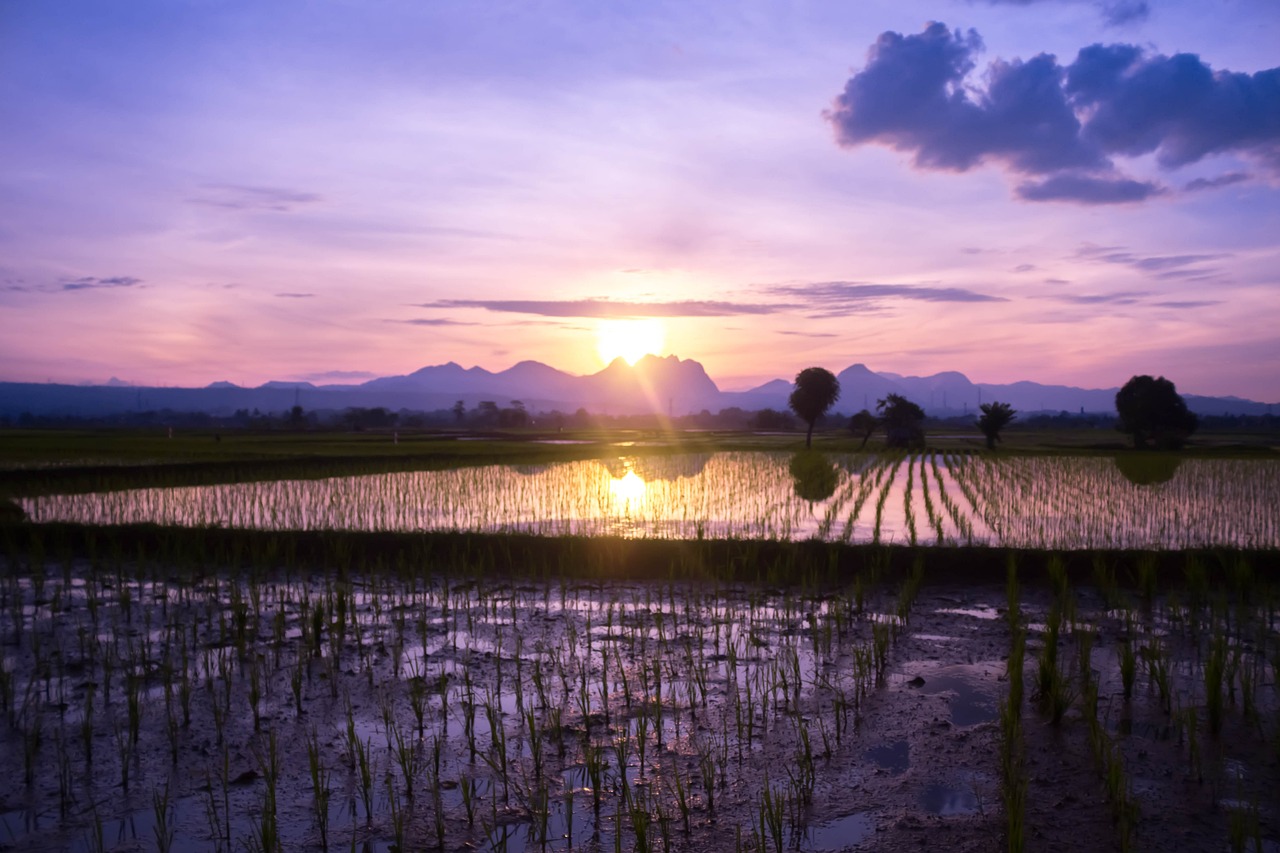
<point>654,384</point>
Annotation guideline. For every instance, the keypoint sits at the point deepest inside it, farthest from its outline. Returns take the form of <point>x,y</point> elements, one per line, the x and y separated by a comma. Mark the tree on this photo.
<point>1151,410</point>
<point>902,421</point>
<point>459,411</point>
<point>995,417</point>
<point>817,389</point>
<point>864,424</point>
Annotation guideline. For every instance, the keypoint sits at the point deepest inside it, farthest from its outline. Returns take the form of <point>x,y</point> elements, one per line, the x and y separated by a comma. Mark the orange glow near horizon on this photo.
<point>630,340</point>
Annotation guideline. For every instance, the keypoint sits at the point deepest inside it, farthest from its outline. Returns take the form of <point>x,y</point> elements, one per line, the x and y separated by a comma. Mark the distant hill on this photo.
<point>667,385</point>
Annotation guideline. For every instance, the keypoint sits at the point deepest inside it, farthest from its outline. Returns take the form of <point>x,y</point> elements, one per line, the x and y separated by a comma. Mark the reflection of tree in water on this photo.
<point>815,477</point>
<point>1148,469</point>
<point>654,468</point>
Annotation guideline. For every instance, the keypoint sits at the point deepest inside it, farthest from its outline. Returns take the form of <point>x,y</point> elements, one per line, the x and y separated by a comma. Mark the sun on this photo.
<point>630,340</point>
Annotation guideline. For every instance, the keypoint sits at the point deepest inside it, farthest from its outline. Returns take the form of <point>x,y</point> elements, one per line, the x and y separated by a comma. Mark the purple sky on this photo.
<point>1069,191</point>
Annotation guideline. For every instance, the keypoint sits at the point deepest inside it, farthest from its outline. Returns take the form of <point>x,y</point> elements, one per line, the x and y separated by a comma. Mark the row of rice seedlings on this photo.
<point>267,645</point>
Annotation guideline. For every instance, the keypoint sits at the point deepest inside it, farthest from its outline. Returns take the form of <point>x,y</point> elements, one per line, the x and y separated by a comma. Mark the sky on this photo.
<point>1065,191</point>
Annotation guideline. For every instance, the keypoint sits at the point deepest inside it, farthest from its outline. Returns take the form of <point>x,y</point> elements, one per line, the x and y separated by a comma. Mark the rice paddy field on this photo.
<point>734,650</point>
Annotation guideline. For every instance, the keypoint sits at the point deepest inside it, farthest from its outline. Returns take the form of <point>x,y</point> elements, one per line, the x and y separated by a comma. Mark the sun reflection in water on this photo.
<point>628,492</point>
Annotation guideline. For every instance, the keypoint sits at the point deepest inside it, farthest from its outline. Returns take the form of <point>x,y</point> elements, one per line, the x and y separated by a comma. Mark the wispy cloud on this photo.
<point>807,334</point>
<point>1124,297</point>
<point>433,321</point>
<point>241,197</point>
<point>91,283</point>
<point>295,295</point>
<point>845,298</point>
<point>337,375</point>
<point>1114,12</point>
<point>1187,303</point>
<point>1189,267</point>
<point>610,309</point>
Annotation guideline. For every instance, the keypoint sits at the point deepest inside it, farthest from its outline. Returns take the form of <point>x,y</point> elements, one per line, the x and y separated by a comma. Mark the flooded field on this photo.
<point>219,708</point>
<point>1041,502</point>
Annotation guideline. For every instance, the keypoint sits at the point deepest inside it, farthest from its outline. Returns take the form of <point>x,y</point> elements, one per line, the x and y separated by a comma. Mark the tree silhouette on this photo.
<point>1151,410</point>
<point>902,421</point>
<point>816,390</point>
<point>995,417</point>
<point>864,424</point>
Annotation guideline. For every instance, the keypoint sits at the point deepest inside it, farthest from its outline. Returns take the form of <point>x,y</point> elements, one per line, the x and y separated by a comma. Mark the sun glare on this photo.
<point>629,339</point>
<point>628,492</point>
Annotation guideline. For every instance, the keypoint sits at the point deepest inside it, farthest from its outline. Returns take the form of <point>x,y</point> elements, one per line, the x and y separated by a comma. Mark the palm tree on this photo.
<point>816,390</point>
<point>995,417</point>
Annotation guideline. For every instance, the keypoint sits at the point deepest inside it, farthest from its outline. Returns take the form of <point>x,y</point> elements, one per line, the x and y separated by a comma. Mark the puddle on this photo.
<point>971,690</point>
<point>838,834</point>
<point>894,757</point>
<point>946,801</point>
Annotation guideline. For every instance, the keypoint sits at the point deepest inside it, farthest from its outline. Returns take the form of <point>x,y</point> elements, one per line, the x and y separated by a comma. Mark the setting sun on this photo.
<point>629,339</point>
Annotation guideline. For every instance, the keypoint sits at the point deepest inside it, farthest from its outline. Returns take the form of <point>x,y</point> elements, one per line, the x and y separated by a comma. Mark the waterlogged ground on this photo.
<point>936,498</point>
<point>147,708</point>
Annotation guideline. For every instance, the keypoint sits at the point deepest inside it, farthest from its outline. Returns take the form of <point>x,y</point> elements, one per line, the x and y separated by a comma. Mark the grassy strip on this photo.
<point>769,561</point>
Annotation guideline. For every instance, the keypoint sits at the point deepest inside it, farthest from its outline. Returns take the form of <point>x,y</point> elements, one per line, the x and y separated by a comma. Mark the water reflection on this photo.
<point>1148,469</point>
<point>936,499</point>
<point>627,492</point>
<point>815,477</point>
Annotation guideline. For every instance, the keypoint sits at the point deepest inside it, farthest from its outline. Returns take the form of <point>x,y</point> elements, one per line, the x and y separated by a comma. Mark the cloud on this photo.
<point>433,321</point>
<point>91,283</point>
<point>1024,268</point>
<point>1213,183</point>
<point>295,295</point>
<point>608,308</point>
<point>240,197</point>
<point>1160,267</point>
<point>1188,303</point>
<point>1088,190</point>
<point>1124,297</point>
<point>807,334</point>
<point>1061,124</point>
<point>1114,12</point>
<point>337,375</point>
<point>839,298</point>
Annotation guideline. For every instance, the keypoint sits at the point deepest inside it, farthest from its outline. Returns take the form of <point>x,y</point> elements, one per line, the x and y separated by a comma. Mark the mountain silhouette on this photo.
<point>653,384</point>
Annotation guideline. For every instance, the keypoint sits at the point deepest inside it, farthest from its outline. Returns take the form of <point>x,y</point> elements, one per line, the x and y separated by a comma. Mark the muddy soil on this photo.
<point>146,710</point>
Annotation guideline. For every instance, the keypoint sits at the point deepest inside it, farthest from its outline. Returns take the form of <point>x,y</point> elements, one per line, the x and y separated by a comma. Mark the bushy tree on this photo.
<point>864,424</point>
<point>1152,411</point>
<point>903,421</point>
<point>817,389</point>
<point>995,417</point>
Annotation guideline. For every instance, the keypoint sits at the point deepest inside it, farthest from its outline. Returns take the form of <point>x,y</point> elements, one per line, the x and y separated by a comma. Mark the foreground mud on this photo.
<point>148,707</point>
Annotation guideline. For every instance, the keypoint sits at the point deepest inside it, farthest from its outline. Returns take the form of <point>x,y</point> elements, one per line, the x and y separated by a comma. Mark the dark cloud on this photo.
<point>1188,303</point>
<point>1024,267</point>
<point>295,295</point>
<point>607,308</point>
<point>1086,189</point>
<point>1059,124</point>
<point>1213,183</point>
<point>239,197</point>
<point>91,283</point>
<point>1057,281</point>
